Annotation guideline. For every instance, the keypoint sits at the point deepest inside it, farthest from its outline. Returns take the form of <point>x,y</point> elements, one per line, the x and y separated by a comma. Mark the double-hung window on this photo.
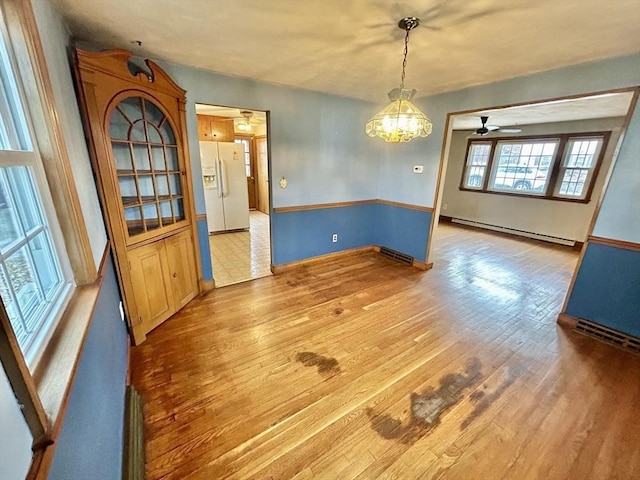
<point>35,278</point>
<point>562,167</point>
<point>578,167</point>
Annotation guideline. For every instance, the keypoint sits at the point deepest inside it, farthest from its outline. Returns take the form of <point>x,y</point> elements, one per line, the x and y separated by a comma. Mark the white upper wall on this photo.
<point>569,220</point>
<point>619,216</point>
<point>55,43</point>
<point>316,141</point>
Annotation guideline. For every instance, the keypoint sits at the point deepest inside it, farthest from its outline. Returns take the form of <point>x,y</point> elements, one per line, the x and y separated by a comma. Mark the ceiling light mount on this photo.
<point>409,23</point>
<point>401,120</point>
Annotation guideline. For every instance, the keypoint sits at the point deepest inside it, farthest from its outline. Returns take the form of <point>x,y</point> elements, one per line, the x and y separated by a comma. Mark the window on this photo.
<point>247,154</point>
<point>477,161</point>
<point>578,167</point>
<point>561,167</point>
<point>34,280</point>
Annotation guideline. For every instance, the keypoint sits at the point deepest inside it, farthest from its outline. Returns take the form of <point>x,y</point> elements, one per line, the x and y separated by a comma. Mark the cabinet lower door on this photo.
<point>149,276</point>
<point>184,280</point>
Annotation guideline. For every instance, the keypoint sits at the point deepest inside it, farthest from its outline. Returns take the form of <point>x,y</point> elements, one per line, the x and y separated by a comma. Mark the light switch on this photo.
<point>417,168</point>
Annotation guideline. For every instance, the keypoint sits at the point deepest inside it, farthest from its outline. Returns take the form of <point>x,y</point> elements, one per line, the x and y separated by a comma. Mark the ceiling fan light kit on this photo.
<point>401,120</point>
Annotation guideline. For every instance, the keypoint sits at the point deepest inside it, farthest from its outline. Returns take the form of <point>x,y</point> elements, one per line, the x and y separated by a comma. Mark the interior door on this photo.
<point>182,268</point>
<point>250,167</point>
<point>153,294</point>
<point>263,174</point>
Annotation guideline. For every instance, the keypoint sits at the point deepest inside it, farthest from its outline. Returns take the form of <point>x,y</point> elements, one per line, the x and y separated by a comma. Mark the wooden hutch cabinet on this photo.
<point>136,130</point>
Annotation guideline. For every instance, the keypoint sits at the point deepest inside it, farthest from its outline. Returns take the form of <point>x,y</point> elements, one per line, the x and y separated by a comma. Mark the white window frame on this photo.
<point>469,166</point>
<point>590,170</point>
<point>30,157</point>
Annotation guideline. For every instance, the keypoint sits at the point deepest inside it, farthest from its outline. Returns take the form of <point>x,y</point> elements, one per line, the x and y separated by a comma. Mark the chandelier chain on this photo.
<point>404,61</point>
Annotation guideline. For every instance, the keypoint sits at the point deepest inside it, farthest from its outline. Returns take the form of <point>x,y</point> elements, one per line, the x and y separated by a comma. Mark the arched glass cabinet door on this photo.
<point>147,166</point>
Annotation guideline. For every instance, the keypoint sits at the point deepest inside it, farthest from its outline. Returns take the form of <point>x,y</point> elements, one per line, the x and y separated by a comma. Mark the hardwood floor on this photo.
<point>363,368</point>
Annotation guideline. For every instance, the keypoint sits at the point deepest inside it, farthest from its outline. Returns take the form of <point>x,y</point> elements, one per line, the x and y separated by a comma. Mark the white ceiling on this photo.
<point>354,48</point>
<point>219,111</point>
<point>584,108</point>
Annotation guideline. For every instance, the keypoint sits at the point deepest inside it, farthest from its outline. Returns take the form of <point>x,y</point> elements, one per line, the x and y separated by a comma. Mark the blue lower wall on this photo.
<point>307,233</point>
<point>402,229</point>
<point>90,442</point>
<point>304,234</point>
<point>607,288</point>
<point>205,249</point>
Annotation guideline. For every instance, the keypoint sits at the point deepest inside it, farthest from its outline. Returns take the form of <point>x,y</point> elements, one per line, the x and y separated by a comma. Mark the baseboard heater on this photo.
<point>513,231</point>
<point>608,335</point>
<point>396,256</point>
<point>133,448</point>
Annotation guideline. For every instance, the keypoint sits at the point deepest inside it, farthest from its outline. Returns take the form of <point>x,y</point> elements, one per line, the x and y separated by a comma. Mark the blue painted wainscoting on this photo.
<point>405,230</point>
<point>205,249</point>
<point>303,234</point>
<point>607,288</point>
<point>90,442</point>
<point>306,232</point>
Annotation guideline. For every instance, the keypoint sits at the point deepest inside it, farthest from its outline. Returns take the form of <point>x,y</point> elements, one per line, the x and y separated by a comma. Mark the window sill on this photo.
<point>56,370</point>
<point>527,195</point>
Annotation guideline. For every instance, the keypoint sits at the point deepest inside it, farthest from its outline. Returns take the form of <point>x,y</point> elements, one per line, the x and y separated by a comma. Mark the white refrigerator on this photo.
<point>225,186</point>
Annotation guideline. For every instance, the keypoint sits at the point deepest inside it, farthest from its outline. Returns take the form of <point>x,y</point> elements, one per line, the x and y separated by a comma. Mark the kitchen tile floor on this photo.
<point>241,256</point>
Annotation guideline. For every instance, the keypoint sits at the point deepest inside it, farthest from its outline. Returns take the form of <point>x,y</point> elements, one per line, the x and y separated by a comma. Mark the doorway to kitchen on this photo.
<point>235,175</point>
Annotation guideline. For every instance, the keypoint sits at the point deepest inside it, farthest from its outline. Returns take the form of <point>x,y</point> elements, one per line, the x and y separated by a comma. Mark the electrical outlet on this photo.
<point>334,239</point>
<point>418,169</point>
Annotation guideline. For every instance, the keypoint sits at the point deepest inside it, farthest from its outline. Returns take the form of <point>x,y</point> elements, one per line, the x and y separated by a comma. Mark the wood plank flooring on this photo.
<point>361,368</point>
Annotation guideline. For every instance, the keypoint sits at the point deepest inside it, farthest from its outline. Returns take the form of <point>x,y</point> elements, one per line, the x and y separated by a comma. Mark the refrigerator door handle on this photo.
<point>223,178</point>
<point>218,178</point>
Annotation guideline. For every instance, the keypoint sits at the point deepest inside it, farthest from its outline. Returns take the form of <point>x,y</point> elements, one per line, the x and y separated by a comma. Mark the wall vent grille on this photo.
<point>133,454</point>
<point>608,335</point>
<point>396,256</point>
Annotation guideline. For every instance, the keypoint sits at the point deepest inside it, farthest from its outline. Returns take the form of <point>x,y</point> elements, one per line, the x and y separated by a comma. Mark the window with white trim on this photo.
<point>35,277</point>
<point>578,166</point>
<point>561,167</point>
<point>247,154</point>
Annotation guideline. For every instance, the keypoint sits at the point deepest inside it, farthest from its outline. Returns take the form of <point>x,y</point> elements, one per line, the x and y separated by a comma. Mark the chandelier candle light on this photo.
<point>401,120</point>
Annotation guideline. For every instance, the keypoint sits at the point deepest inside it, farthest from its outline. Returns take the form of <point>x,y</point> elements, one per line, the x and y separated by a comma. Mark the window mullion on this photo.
<point>489,167</point>
<point>557,166</point>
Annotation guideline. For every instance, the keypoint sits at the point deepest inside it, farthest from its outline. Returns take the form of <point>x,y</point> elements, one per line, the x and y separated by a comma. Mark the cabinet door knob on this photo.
<point>175,274</point>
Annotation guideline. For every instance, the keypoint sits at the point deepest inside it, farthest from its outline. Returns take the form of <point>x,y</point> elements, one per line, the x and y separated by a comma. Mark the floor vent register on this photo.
<point>608,335</point>
<point>396,256</point>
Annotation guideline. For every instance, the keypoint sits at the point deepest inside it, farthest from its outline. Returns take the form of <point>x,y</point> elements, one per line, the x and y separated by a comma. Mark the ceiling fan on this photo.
<point>485,129</point>
<point>247,120</point>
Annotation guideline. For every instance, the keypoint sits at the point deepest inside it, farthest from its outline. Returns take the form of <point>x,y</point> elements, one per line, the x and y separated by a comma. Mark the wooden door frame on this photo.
<point>252,160</point>
<point>266,138</point>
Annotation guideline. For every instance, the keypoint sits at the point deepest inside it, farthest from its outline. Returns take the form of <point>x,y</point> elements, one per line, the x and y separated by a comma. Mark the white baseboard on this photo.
<point>513,231</point>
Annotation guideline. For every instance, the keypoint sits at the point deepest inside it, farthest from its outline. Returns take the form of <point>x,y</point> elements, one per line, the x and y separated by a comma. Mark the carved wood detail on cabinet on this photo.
<point>136,129</point>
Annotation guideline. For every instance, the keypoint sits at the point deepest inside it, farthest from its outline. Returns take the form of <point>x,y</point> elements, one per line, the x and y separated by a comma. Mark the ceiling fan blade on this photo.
<point>492,127</point>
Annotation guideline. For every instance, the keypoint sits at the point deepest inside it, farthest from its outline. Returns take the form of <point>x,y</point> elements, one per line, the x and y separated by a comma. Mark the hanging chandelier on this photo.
<point>401,120</point>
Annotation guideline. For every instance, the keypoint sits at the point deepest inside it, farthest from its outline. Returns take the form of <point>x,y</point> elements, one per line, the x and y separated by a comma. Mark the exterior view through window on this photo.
<point>562,167</point>
<point>34,285</point>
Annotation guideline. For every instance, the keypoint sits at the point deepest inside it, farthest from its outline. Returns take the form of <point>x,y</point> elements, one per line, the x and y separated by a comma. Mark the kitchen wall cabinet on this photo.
<point>215,129</point>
